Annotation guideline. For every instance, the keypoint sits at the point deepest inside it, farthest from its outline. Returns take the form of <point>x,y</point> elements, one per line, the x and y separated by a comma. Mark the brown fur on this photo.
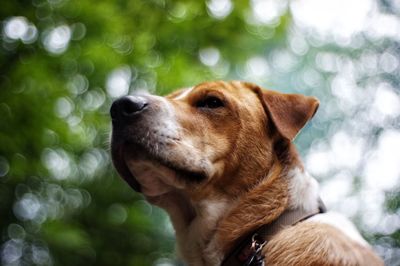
<point>297,245</point>
<point>246,153</point>
<point>266,202</point>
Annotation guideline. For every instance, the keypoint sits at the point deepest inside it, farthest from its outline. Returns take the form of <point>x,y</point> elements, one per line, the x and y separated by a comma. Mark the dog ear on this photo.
<point>289,112</point>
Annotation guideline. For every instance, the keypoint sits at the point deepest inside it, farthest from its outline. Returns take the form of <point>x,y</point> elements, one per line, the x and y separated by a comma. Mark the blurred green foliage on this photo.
<point>91,218</point>
<point>61,203</point>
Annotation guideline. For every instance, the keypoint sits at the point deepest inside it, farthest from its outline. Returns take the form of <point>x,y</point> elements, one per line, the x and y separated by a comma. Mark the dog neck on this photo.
<point>271,197</point>
<point>210,228</point>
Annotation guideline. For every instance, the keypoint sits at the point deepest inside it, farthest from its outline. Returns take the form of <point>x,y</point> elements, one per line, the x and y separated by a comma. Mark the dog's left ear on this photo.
<point>289,112</point>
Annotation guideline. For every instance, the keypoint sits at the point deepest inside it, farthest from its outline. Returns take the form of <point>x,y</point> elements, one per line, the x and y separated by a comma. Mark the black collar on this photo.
<point>248,252</point>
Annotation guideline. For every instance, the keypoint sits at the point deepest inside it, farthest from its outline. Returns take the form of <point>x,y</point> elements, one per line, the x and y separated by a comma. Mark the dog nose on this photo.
<point>127,107</point>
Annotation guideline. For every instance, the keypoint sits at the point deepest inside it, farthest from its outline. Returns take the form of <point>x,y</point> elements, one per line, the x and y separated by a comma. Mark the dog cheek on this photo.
<point>218,169</point>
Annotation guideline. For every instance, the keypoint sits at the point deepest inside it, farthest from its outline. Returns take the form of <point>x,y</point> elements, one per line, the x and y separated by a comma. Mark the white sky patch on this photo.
<point>371,209</point>
<point>390,224</point>
<point>57,39</point>
<point>209,56</point>
<point>387,102</point>
<point>267,11</point>
<point>388,62</point>
<point>19,28</point>
<point>368,63</point>
<point>338,187</point>
<point>318,161</point>
<point>327,62</point>
<point>383,25</point>
<point>382,170</point>
<point>344,152</point>
<point>257,67</point>
<point>342,18</point>
<point>16,27</point>
<point>219,9</point>
<point>344,87</point>
<point>349,205</point>
<point>298,43</point>
<point>284,60</point>
<point>312,78</point>
<point>118,82</point>
<point>58,163</point>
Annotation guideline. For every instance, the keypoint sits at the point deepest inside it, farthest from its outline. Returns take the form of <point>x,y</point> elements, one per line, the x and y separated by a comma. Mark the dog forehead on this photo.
<point>231,90</point>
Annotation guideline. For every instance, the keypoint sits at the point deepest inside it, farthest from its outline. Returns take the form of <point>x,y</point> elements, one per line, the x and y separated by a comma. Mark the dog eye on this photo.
<point>210,102</point>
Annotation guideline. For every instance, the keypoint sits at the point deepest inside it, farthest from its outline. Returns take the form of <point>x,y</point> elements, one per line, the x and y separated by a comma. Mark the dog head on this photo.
<point>214,138</point>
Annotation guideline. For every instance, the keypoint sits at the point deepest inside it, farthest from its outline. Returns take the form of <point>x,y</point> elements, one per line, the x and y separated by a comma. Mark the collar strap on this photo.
<point>248,252</point>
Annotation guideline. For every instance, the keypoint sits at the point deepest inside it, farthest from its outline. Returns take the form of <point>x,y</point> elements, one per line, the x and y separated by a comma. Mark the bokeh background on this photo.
<point>63,62</point>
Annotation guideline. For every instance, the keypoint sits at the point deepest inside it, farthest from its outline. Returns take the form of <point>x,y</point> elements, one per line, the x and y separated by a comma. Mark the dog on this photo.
<point>220,160</point>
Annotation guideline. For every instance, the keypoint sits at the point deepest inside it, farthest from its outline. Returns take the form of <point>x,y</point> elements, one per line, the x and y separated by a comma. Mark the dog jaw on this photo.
<point>155,179</point>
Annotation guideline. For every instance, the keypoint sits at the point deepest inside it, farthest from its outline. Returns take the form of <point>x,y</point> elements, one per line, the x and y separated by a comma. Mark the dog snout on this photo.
<point>127,107</point>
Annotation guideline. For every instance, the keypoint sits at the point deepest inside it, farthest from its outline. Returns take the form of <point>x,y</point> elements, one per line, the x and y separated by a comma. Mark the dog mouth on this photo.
<point>123,154</point>
<point>123,169</point>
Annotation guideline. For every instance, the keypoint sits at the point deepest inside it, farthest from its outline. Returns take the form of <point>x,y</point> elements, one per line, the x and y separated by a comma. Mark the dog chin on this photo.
<point>158,171</point>
<point>154,179</point>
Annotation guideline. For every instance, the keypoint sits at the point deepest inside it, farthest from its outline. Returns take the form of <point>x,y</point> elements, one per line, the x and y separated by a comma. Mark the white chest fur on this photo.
<point>197,246</point>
